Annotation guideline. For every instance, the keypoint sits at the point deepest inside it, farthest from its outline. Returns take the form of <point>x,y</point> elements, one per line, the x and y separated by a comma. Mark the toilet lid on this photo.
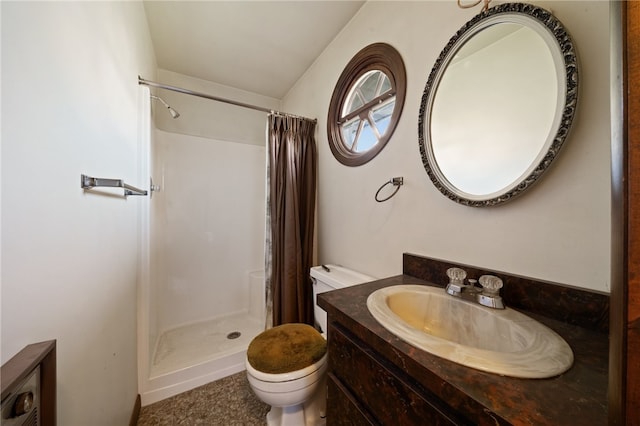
<point>286,348</point>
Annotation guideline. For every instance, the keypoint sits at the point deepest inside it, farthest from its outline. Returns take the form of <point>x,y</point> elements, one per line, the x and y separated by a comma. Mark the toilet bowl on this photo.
<point>298,397</point>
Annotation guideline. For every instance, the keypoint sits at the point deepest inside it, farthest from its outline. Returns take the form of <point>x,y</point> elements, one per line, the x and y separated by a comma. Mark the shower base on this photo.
<point>193,355</point>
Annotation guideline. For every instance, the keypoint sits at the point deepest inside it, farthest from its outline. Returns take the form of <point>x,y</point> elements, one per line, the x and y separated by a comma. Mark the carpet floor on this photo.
<point>225,402</point>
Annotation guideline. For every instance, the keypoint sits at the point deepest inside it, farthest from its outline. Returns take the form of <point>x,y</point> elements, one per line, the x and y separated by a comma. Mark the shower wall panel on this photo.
<point>210,227</point>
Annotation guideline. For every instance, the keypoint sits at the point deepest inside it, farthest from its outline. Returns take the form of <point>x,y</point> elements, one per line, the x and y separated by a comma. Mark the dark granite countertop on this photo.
<point>577,397</point>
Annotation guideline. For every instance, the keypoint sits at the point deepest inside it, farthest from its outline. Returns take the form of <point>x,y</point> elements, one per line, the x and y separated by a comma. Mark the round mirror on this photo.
<point>498,104</point>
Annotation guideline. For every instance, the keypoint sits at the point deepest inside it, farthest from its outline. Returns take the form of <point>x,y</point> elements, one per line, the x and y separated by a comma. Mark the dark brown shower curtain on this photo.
<point>291,186</point>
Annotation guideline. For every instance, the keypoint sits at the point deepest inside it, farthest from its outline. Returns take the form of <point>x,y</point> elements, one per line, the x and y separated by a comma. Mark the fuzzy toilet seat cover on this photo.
<point>286,348</point>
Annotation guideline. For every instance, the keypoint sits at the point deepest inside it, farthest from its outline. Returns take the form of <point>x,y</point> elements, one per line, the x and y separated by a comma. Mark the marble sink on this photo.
<point>500,341</point>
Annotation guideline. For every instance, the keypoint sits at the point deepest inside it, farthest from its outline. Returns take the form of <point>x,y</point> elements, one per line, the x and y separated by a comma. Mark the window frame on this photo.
<point>375,57</point>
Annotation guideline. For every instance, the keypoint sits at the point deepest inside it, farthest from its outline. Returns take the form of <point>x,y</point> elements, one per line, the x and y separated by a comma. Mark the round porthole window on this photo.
<point>366,104</point>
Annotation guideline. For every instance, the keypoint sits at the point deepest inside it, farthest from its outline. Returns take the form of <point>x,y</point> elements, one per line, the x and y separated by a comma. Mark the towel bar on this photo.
<point>89,182</point>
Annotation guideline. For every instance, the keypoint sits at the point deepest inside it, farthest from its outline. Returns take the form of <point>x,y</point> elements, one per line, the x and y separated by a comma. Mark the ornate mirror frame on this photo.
<point>520,12</point>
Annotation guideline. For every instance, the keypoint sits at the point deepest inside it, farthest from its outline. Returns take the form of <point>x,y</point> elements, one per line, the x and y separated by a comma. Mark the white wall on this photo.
<point>211,226</point>
<point>559,230</point>
<point>69,106</point>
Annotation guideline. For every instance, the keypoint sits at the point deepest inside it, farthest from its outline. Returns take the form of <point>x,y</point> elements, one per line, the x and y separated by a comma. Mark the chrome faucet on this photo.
<point>487,296</point>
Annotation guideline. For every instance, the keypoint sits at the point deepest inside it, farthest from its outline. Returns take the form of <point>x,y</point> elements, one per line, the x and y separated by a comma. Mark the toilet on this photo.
<point>293,381</point>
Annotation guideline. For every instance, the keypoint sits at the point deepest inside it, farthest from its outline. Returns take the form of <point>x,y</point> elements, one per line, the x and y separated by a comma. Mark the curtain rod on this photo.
<point>218,99</point>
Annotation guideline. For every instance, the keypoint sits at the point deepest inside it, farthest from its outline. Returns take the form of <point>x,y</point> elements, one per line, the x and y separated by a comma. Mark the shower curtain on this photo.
<point>291,195</point>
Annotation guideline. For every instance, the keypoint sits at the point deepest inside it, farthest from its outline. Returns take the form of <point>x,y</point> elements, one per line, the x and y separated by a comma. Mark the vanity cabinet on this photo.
<point>366,389</point>
<point>375,378</point>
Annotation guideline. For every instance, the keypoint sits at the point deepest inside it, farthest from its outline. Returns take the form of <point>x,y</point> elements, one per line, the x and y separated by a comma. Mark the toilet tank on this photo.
<point>332,277</point>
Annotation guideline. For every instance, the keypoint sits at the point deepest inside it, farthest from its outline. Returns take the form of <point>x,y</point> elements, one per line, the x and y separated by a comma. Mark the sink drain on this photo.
<point>233,335</point>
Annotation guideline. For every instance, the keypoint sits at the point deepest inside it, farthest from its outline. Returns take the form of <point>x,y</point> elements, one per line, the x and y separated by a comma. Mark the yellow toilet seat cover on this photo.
<point>286,348</point>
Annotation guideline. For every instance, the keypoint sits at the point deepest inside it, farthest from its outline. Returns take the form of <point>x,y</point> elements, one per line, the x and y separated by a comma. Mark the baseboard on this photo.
<point>136,412</point>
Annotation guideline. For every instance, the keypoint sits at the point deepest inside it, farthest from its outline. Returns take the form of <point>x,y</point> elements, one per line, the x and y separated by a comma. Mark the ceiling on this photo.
<point>259,46</point>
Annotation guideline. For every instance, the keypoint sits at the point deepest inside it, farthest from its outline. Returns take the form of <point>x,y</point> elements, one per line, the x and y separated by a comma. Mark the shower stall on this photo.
<point>201,282</point>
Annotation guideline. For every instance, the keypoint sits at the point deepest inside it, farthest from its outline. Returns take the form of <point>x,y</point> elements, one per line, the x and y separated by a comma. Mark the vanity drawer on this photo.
<point>378,387</point>
<point>345,410</point>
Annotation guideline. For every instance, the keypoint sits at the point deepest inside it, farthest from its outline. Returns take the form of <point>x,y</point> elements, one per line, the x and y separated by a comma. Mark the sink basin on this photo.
<point>500,341</point>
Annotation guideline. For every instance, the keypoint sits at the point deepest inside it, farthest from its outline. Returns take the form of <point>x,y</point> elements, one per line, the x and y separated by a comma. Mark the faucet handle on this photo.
<point>491,284</point>
<point>456,275</point>
<point>456,281</point>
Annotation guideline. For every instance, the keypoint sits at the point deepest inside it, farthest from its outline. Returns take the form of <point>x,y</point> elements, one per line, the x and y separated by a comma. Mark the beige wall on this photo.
<point>69,106</point>
<point>559,230</point>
